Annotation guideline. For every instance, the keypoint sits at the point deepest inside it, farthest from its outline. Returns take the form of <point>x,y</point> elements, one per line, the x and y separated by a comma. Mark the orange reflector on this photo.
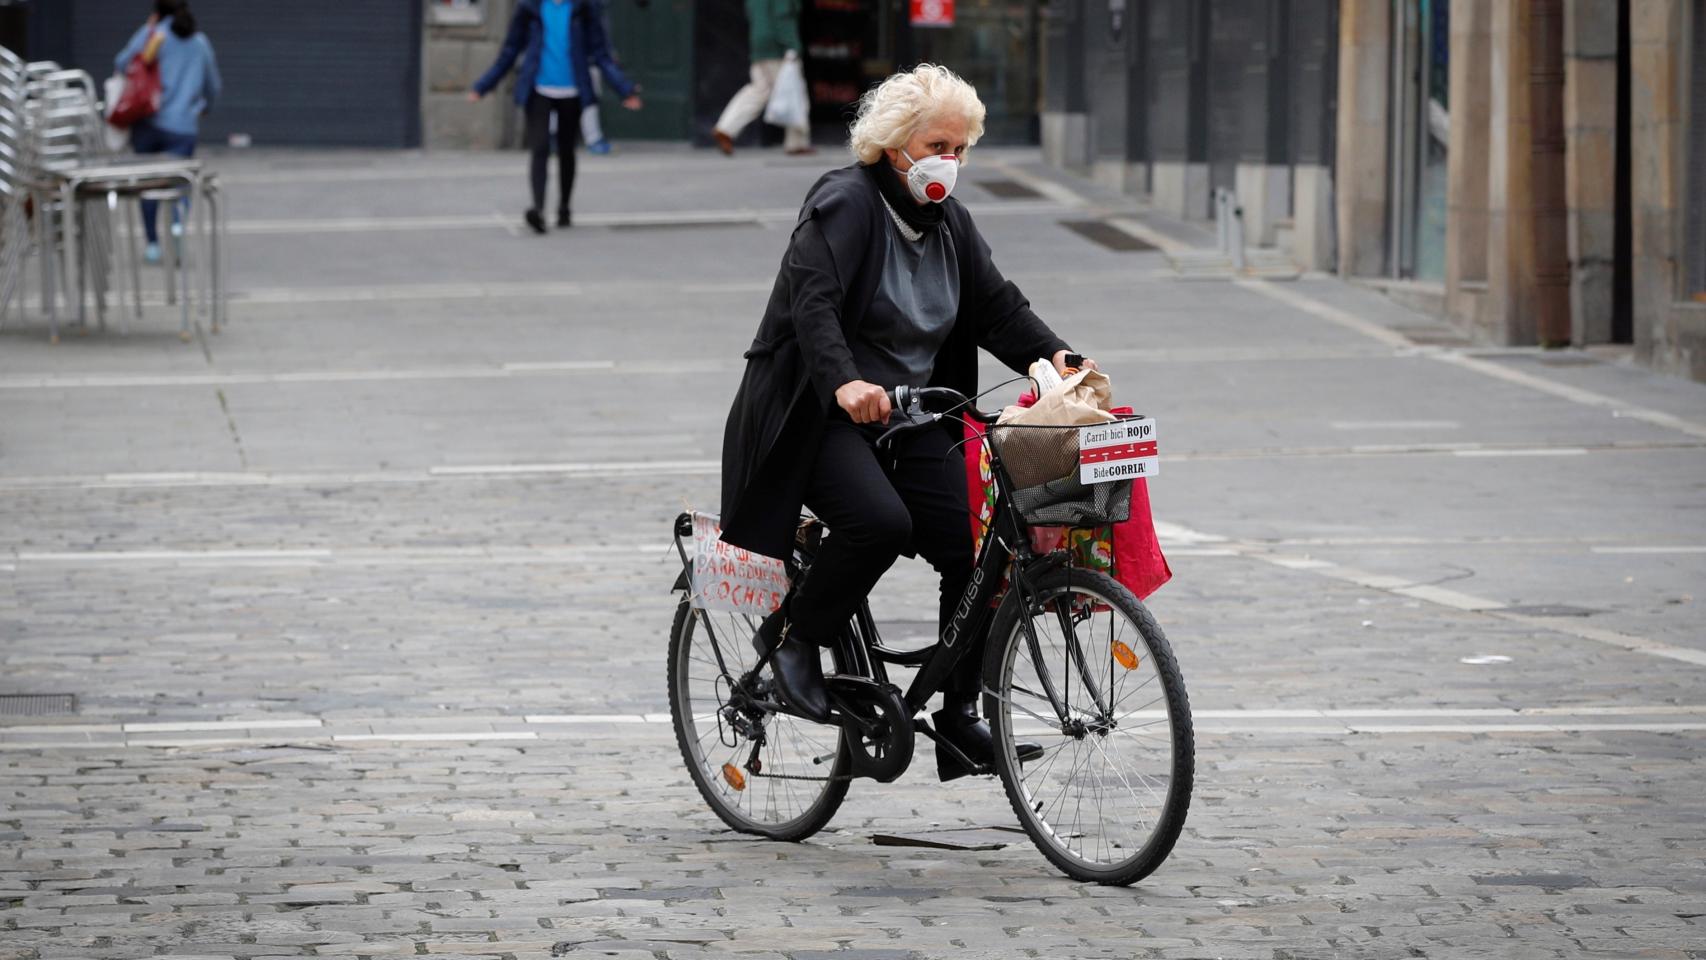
<point>1125,655</point>
<point>735,778</point>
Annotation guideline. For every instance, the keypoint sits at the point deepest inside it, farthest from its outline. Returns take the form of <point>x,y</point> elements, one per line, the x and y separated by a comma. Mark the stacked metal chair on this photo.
<point>61,188</point>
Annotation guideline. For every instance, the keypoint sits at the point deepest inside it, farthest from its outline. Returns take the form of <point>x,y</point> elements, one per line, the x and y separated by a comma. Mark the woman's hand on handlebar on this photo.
<point>864,402</point>
<point>1060,366</point>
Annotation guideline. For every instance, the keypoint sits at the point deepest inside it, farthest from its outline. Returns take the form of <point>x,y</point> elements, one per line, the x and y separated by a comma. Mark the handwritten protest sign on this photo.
<point>729,578</point>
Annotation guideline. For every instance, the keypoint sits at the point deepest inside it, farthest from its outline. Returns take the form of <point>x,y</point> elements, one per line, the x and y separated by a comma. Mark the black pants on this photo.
<point>539,110</point>
<point>879,505</point>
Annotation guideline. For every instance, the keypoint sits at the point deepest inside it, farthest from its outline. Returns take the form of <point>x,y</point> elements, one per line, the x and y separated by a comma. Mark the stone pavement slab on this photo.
<point>364,603</point>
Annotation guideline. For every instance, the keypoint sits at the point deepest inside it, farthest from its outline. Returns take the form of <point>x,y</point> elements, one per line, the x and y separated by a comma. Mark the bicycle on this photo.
<point>1106,800</point>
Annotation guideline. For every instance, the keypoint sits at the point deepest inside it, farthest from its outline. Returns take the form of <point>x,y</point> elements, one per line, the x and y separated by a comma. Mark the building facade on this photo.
<point>690,56</point>
<point>1571,135</point>
<point>322,72</point>
<point>1535,169</point>
<point>1173,99</point>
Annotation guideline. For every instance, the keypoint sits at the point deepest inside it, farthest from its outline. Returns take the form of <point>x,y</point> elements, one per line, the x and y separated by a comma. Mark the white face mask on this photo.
<point>932,178</point>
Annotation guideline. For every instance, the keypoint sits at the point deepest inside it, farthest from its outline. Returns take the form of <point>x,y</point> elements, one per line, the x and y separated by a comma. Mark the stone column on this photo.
<point>1365,37</point>
<point>1468,161</point>
<point>1510,308</point>
<point>1590,130</point>
<point>1669,334</point>
<point>1527,258</point>
<point>454,57</point>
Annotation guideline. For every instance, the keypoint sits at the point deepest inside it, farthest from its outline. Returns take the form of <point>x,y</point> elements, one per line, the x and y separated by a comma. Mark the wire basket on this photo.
<point>1042,462</point>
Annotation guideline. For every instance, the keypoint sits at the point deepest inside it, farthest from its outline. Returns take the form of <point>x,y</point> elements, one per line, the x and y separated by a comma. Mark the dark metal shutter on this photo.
<point>308,72</point>
<point>1238,63</point>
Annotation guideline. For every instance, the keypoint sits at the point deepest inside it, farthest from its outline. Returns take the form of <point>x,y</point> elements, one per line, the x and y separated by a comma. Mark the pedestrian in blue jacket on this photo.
<point>558,42</point>
<point>189,84</point>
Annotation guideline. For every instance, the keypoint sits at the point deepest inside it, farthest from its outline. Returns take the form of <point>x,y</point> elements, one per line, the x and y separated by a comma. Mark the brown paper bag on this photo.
<point>1036,456</point>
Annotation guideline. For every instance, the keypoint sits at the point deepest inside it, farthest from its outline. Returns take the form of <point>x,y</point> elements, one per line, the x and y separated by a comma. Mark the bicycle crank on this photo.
<point>877,724</point>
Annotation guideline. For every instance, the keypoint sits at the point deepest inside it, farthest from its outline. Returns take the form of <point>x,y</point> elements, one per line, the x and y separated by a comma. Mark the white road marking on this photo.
<point>362,557</point>
<point>1528,452</point>
<point>1175,533</point>
<point>1652,550</point>
<point>302,376</point>
<point>1573,627</point>
<point>499,169</point>
<point>1344,318</point>
<point>1447,598</point>
<point>733,217</point>
<point>169,556</point>
<point>1299,563</point>
<point>558,718</point>
<point>607,467</point>
<point>1279,722</point>
<point>1474,728</point>
<point>262,723</point>
<point>1386,335</point>
<point>1442,596</point>
<point>214,478</point>
<point>1395,425</point>
<point>471,736</point>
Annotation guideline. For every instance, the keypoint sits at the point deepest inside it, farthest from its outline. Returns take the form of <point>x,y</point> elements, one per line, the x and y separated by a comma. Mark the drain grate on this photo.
<point>1551,610</point>
<point>1009,189</point>
<point>1107,235</point>
<point>37,704</point>
<point>1434,335</point>
<point>684,224</point>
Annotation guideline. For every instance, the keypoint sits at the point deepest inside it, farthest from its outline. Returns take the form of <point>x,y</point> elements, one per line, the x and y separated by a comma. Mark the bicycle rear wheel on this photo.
<point>799,779</point>
<point>1107,799</point>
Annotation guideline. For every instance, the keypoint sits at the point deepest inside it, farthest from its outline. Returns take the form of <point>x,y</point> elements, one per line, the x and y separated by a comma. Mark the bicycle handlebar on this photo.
<point>923,406</point>
<point>913,401</point>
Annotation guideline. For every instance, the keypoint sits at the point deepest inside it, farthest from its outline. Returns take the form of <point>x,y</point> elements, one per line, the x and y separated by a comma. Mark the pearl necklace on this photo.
<point>906,230</point>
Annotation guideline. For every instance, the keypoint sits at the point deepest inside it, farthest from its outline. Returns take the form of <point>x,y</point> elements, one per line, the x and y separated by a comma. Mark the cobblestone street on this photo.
<point>364,602</point>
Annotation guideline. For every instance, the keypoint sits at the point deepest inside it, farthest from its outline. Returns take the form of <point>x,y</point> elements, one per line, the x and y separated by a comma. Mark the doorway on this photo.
<point>655,43</point>
<point>1421,138</point>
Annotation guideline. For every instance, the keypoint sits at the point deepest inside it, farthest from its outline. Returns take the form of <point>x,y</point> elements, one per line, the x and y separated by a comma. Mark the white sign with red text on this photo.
<point>730,578</point>
<point>1122,450</point>
<point>932,13</point>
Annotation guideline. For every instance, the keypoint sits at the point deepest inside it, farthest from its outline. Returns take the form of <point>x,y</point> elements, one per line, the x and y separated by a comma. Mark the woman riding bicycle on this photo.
<point>886,282</point>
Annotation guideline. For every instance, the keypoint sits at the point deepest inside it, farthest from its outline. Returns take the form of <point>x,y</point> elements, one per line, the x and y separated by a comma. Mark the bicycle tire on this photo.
<point>723,800</point>
<point>1007,698</point>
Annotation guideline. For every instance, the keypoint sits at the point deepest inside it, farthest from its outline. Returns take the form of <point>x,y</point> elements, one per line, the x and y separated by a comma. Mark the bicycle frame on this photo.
<point>1006,551</point>
<point>1007,543</point>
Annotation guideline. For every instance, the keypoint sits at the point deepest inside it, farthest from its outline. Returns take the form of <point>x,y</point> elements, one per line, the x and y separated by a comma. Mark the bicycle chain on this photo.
<point>801,776</point>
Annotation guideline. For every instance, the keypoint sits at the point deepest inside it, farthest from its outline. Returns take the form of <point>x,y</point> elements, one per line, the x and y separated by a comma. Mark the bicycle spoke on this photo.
<point>1101,812</point>
<point>713,657</point>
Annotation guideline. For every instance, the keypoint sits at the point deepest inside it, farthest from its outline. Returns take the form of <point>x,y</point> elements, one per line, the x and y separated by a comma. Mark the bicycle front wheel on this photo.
<point>766,773</point>
<point>1099,689</point>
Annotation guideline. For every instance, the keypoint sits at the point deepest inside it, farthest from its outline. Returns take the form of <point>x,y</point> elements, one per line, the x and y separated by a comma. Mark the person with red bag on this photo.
<point>188,86</point>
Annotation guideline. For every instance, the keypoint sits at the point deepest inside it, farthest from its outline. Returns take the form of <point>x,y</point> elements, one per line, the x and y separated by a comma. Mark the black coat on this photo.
<point>800,355</point>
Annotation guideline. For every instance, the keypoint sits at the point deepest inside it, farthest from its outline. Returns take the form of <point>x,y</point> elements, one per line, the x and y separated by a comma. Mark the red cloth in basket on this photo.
<point>1129,551</point>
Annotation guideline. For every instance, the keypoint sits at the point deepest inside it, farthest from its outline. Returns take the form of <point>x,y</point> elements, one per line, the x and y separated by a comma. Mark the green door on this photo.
<point>654,44</point>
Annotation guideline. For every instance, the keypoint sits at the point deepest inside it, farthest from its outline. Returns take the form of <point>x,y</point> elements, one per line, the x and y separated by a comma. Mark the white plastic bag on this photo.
<point>789,105</point>
<point>116,137</point>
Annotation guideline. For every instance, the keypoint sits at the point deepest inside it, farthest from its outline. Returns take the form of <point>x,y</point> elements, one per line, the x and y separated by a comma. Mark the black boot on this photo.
<point>563,218</point>
<point>796,667</point>
<point>958,724</point>
<point>535,221</point>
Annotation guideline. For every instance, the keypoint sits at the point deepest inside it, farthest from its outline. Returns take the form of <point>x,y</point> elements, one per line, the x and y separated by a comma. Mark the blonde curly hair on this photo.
<point>891,112</point>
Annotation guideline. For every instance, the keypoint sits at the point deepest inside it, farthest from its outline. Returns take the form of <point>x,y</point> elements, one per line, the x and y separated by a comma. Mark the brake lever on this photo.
<point>915,417</point>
